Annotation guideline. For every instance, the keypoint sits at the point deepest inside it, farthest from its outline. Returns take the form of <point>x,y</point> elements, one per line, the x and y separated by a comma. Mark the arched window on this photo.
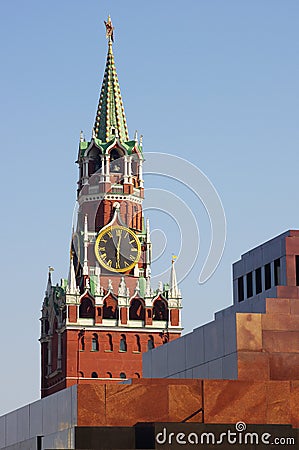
<point>150,343</point>
<point>95,161</point>
<point>136,311</point>
<point>123,343</point>
<point>109,343</point>
<point>116,153</point>
<point>94,375</point>
<point>109,375</point>
<point>110,308</point>
<point>116,160</point>
<point>137,374</point>
<point>122,375</point>
<point>86,309</point>
<point>160,310</point>
<point>81,374</point>
<point>137,343</point>
<point>95,343</point>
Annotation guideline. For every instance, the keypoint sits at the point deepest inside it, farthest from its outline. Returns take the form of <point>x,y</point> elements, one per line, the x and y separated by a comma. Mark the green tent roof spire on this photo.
<point>110,119</point>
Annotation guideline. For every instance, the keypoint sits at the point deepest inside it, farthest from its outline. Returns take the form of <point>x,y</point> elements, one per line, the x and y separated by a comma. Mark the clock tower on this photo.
<point>97,323</point>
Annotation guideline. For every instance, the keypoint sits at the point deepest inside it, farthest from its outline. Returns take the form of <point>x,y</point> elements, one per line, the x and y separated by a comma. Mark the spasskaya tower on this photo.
<point>97,323</point>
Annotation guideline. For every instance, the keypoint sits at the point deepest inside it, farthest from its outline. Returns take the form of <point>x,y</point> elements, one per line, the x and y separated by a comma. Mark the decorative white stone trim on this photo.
<point>85,322</point>
<point>93,197</point>
<point>135,323</point>
<point>125,328</point>
<point>109,322</point>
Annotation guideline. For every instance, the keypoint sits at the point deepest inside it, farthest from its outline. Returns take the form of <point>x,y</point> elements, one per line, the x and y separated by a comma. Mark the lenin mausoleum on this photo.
<point>115,371</point>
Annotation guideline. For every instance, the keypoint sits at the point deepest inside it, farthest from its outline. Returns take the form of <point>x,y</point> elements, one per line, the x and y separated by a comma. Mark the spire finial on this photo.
<point>50,270</point>
<point>109,30</point>
<point>110,119</point>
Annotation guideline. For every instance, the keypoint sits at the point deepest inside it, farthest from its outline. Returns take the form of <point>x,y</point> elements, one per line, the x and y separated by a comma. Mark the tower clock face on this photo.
<point>117,249</point>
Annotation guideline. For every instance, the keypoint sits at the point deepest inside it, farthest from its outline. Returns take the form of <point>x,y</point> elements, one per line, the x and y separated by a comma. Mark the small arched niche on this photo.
<point>150,342</point>
<point>123,343</point>
<point>160,310</point>
<point>136,311</point>
<point>95,343</point>
<point>86,308</point>
<point>110,310</point>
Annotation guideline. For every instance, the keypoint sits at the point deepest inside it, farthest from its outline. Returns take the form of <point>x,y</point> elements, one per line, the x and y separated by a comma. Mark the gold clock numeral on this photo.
<point>103,255</point>
<point>109,234</point>
<point>118,233</point>
<point>103,240</point>
<point>117,266</point>
<point>126,235</point>
<point>131,242</point>
<point>109,263</point>
<point>127,264</point>
<point>132,258</point>
<point>101,249</point>
<point>133,249</point>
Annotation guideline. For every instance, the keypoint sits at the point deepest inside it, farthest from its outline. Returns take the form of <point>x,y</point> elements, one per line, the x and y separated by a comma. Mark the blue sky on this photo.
<point>211,81</point>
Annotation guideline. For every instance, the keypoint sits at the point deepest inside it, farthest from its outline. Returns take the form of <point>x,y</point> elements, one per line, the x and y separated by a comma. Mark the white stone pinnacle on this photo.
<point>173,284</point>
<point>72,278</point>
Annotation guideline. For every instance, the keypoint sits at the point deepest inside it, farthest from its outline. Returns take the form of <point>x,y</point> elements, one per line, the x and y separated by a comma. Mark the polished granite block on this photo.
<point>23,428</point>
<point>278,305</point>
<point>143,400</point>
<point>278,402</point>
<point>253,366</point>
<point>249,331</point>
<point>294,306</point>
<point>92,401</point>
<point>2,431</point>
<point>294,403</point>
<point>230,401</point>
<point>284,366</point>
<point>129,404</point>
<point>183,401</point>
<point>230,366</point>
<point>11,426</point>
<point>281,341</point>
<point>280,322</point>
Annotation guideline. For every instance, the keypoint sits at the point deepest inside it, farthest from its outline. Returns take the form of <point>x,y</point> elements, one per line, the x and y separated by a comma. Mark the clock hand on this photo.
<point>118,251</point>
